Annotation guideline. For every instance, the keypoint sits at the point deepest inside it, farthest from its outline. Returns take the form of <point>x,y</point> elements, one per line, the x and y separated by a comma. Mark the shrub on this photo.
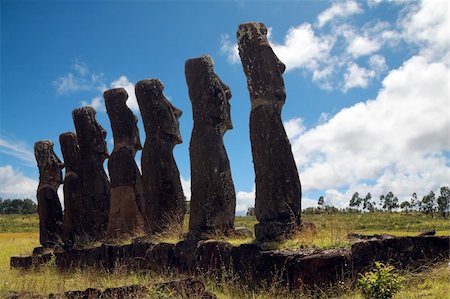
<point>380,283</point>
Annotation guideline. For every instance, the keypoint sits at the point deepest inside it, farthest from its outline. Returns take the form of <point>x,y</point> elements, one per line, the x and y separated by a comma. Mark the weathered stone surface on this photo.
<point>30,261</point>
<point>213,199</point>
<point>125,218</point>
<point>278,189</point>
<point>94,181</point>
<point>258,268</point>
<point>319,270</point>
<point>164,198</point>
<point>49,206</point>
<point>400,251</point>
<point>213,257</point>
<point>160,257</point>
<point>73,202</point>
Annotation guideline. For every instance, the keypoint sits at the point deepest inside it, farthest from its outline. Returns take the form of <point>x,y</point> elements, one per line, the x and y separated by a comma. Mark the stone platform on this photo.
<point>306,268</point>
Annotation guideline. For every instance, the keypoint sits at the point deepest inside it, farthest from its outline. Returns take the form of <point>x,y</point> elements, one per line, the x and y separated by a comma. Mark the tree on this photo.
<point>367,205</point>
<point>390,202</point>
<point>415,203</point>
<point>405,206</point>
<point>382,201</point>
<point>251,211</point>
<point>429,204</point>
<point>321,203</point>
<point>355,201</point>
<point>17,206</point>
<point>443,201</point>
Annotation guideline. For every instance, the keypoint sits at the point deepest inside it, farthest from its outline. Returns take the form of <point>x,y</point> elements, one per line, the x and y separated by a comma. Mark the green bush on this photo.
<point>380,283</point>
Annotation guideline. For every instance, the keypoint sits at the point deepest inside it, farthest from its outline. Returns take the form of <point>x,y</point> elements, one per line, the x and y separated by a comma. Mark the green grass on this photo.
<point>19,223</point>
<point>19,235</point>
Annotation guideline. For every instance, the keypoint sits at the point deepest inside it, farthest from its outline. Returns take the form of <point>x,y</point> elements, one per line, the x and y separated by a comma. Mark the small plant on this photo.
<point>380,283</point>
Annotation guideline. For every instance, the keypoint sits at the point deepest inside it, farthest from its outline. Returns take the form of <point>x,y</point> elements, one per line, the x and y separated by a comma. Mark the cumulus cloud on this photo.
<point>339,10</point>
<point>244,200</point>
<point>302,48</point>
<point>13,184</point>
<point>357,76</point>
<point>362,45</point>
<point>396,140</point>
<point>329,54</point>
<point>427,25</point>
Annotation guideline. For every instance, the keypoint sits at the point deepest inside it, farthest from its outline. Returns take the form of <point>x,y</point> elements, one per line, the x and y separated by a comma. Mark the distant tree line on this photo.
<point>17,206</point>
<point>430,203</point>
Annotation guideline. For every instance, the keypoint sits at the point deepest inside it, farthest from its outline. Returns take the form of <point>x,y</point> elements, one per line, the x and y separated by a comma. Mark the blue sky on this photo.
<point>367,104</point>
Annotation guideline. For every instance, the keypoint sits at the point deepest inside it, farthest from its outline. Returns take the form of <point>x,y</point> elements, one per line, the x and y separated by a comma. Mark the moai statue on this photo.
<point>49,206</point>
<point>213,199</point>
<point>73,209</point>
<point>125,218</point>
<point>278,189</point>
<point>164,198</point>
<point>95,183</point>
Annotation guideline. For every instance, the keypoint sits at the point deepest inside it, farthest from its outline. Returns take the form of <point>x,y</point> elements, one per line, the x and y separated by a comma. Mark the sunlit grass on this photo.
<point>331,232</point>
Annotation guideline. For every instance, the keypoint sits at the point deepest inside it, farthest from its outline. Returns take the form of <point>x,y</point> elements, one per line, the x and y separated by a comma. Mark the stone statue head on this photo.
<point>261,66</point>
<point>210,97</point>
<point>91,136</point>
<point>70,150</point>
<point>160,117</point>
<point>123,121</point>
<point>48,163</point>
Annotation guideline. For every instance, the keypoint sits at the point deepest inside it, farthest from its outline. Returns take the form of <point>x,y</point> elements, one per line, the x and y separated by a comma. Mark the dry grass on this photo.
<point>331,232</point>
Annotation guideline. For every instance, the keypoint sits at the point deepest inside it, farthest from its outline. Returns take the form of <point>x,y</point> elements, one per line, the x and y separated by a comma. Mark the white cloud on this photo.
<point>329,55</point>
<point>357,76</point>
<point>323,118</point>
<point>361,46</point>
<point>80,79</point>
<point>81,68</point>
<point>244,200</point>
<point>338,10</point>
<point>229,49</point>
<point>396,141</point>
<point>98,103</point>
<point>129,87</point>
<point>186,185</point>
<point>14,184</point>
<point>294,127</point>
<point>378,63</point>
<point>17,149</point>
<point>302,48</point>
<point>427,25</point>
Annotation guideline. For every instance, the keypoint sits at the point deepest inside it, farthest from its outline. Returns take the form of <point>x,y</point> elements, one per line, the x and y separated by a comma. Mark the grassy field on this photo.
<point>19,235</point>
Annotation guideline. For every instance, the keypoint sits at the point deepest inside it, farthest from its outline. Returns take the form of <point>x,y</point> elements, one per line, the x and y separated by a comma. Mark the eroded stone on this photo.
<point>49,206</point>
<point>125,218</point>
<point>164,199</point>
<point>73,207</point>
<point>94,181</point>
<point>278,189</point>
<point>213,199</point>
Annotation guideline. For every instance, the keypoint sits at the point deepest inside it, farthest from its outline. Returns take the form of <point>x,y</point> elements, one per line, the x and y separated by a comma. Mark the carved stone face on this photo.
<point>91,136</point>
<point>160,117</point>
<point>123,121</point>
<point>48,163</point>
<point>209,95</point>
<point>262,67</point>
